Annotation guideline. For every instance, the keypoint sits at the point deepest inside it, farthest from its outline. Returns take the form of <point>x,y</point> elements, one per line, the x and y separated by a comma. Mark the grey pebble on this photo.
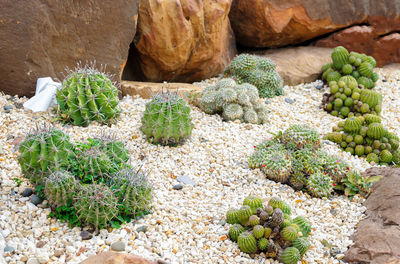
<point>289,100</point>
<point>86,235</point>
<point>319,86</point>
<point>267,101</point>
<point>141,229</point>
<point>178,186</point>
<point>36,200</point>
<point>118,246</point>
<point>222,222</point>
<point>9,249</point>
<point>7,108</point>
<point>27,192</point>
<point>186,180</point>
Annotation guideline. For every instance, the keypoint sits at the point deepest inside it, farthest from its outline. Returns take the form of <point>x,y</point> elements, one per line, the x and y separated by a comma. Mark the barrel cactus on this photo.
<point>59,188</point>
<point>44,151</point>
<point>301,135</point>
<point>86,95</point>
<point>290,255</point>
<point>166,119</point>
<point>320,185</point>
<point>96,204</point>
<point>247,242</point>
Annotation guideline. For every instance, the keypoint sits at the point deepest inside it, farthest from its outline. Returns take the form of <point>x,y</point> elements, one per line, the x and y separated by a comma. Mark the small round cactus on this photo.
<point>254,202</point>
<point>59,188</point>
<point>254,220</point>
<point>352,125</point>
<point>303,224</point>
<point>340,57</point>
<point>277,166</point>
<point>263,244</point>
<point>96,205</point>
<point>166,119</point>
<point>289,233</point>
<point>244,213</point>
<point>247,243</point>
<point>375,131</point>
<point>258,231</point>
<point>232,216</point>
<point>88,94</point>
<point>302,244</point>
<point>276,218</point>
<point>290,255</point>
<point>301,136</point>
<point>235,231</point>
<point>320,184</point>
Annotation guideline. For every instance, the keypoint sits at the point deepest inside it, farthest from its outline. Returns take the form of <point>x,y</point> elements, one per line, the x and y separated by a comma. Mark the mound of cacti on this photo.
<point>258,71</point>
<point>96,186</point>
<point>234,102</point>
<point>87,95</point>
<point>167,119</point>
<point>269,228</point>
<point>350,77</point>
<point>294,157</point>
<point>365,136</point>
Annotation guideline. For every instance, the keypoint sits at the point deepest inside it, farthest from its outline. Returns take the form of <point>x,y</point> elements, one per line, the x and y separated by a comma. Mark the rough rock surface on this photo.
<point>298,65</point>
<point>184,40</point>
<point>40,38</point>
<point>367,40</point>
<point>377,239</point>
<point>118,258</point>
<point>259,23</point>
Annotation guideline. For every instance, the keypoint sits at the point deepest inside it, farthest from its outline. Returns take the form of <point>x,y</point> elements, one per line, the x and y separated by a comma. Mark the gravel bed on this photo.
<point>187,225</point>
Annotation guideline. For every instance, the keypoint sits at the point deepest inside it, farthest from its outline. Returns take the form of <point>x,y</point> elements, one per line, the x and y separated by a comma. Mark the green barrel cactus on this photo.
<point>302,244</point>
<point>258,231</point>
<point>340,57</point>
<point>244,213</point>
<point>277,166</point>
<point>247,243</point>
<point>235,231</point>
<point>303,224</point>
<point>254,220</point>
<point>352,125</point>
<point>320,184</point>
<point>87,95</point>
<point>370,97</point>
<point>44,151</point>
<point>301,135</point>
<point>96,204</point>
<point>289,233</point>
<point>263,244</point>
<point>254,202</point>
<point>366,69</point>
<point>375,131</point>
<point>59,188</point>
<point>290,255</point>
<point>133,191</point>
<point>232,216</point>
<point>167,119</point>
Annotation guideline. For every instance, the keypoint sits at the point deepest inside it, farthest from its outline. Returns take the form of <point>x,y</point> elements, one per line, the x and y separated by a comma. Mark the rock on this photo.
<point>118,246</point>
<point>222,222</point>
<point>111,257</point>
<point>58,253</point>
<point>86,235</point>
<point>27,192</point>
<point>33,261</point>
<point>18,105</point>
<point>40,244</point>
<point>36,200</point>
<point>298,65</point>
<point>289,100</point>
<point>9,249</point>
<point>267,101</point>
<point>377,238</point>
<point>182,40</point>
<point>41,38</point>
<point>177,187</point>
<point>319,87</point>
<point>141,229</point>
<point>186,180</point>
<point>383,48</point>
<point>7,108</point>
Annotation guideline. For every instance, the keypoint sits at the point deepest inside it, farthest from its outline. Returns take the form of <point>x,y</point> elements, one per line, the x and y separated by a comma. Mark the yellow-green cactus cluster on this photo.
<point>269,228</point>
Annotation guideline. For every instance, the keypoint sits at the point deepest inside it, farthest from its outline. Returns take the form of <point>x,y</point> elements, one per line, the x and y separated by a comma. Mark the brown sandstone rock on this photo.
<point>377,239</point>
<point>259,23</point>
<point>184,40</point>
<point>40,38</point>
<point>118,258</point>
<point>300,64</point>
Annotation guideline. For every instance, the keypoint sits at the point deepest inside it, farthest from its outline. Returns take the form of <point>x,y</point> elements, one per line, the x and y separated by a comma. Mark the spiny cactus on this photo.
<point>320,184</point>
<point>247,242</point>
<point>290,255</point>
<point>232,216</point>
<point>262,244</point>
<point>167,119</point>
<point>234,102</point>
<point>43,151</point>
<point>235,231</point>
<point>277,166</point>
<point>289,233</point>
<point>244,213</point>
<point>254,220</point>
<point>301,136</point>
<point>96,204</point>
<point>132,190</point>
<point>59,188</point>
<point>302,244</point>
<point>258,71</point>
<point>254,202</point>
<point>88,94</point>
<point>258,231</point>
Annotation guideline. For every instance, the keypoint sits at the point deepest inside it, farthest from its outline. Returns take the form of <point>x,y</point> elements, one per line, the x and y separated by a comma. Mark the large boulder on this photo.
<point>377,239</point>
<point>41,38</point>
<point>259,23</point>
<point>183,40</point>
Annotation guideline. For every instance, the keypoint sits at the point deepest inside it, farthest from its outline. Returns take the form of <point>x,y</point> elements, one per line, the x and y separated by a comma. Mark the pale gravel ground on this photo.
<point>184,226</point>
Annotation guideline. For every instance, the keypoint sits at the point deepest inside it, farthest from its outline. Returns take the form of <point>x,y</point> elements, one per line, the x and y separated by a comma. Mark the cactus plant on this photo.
<point>167,119</point>
<point>290,255</point>
<point>277,166</point>
<point>320,185</point>
<point>59,188</point>
<point>247,242</point>
<point>289,233</point>
<point>303,224</point>
<point>43,151</point>
<point>232,216</point>
<point>235,231</point>
<point>262,244</point>
<point>88,94</point>
<point>301,135</point>
<point>302,244</point>
<point>254,202</point>
<point>96,204</point>
<point>258,231</point>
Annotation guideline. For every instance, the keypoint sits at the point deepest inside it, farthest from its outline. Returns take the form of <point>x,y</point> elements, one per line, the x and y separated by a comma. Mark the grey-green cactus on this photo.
<point>59,188</point>
<point>88,94</point>
<point>167,119</point>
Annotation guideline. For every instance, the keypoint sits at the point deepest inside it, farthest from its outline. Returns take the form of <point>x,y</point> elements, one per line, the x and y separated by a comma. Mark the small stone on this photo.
<point>319,86</point>
<point>53,228</point>
<point>222,222</point>
<point>333,211</point>
<point>36,200</point>
<point>384,80</point>
<point>289,101</point>
<point>7,108</point>
<point>267,101</point>
<point>58,253</point>
<point>9,249</point>
<point>18,105</point>
<point>40,244</point>
<point>340,256</point>
<point>186,180</point>
<point>178,186</point>
<point>27,192</point>
<point>33,261</point>
<point>86,235</point>
<point>118,246</point>
<point>12,193</point>
<point>141,229</point>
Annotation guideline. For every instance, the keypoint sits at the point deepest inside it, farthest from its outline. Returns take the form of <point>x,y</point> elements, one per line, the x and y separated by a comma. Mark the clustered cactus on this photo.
<point>234,102</point>
<point>167,119</point>
<point>258,71</point>
<point>87,95</point>
<point>350,77</point>
<point>270,229</point>
<point>365,136</point>
<point>94,178</point>
<point>294,157</point>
